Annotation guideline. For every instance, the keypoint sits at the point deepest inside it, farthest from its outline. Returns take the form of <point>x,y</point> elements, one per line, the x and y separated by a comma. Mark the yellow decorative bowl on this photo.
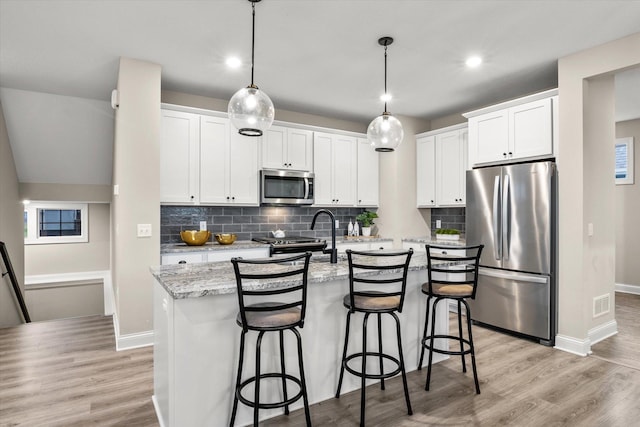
<point>195,237</point>
<point>225,239</point>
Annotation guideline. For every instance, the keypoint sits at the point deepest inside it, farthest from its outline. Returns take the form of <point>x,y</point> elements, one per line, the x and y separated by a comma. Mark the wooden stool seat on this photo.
<point>280,318</point>
<point>383,302</point>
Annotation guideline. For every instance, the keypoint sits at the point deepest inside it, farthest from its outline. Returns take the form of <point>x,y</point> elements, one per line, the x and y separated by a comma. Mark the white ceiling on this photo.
<point>312,56</point>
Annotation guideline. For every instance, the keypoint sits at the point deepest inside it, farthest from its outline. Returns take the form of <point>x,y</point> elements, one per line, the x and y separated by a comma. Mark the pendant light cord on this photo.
<point>385,77</point>
<point>253,37</point>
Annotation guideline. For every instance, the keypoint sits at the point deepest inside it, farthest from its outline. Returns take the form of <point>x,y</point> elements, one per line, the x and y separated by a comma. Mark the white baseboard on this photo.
<point>105,276</point>
<point>603,331</point>
<point>157,409</point>
<point>628,289</point>
<point>573,345</point>
<point>131,341</point>
<point>583,347</point>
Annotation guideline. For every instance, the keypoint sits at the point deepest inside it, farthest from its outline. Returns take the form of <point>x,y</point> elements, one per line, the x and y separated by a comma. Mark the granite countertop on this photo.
<point>216,278</point>
<point>169,248</point>
<point>434,241</point>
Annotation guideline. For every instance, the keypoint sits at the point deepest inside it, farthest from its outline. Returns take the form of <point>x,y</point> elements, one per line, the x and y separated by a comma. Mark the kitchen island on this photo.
<point>196,339</point>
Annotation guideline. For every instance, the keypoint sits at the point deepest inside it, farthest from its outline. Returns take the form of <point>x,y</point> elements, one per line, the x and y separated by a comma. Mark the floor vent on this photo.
<point>601,305</point>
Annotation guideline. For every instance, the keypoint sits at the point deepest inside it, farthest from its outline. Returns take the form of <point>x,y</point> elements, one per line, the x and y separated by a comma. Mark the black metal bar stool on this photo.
<point>256,279</point>
<point>368,270</point>
<point>456,281</point>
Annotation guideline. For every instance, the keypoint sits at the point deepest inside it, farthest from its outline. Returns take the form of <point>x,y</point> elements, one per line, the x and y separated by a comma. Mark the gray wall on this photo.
<point>250,222</point>
<point>11,229</point>
<point>627,201</point>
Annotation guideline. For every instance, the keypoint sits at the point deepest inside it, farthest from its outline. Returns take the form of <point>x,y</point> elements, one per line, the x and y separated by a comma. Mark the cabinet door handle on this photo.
<point>182,261</point>
<point>504,154</point>
<point>233,198</point>
<point>227,197</point>
<point>510,154</point>
<point>193,197</point>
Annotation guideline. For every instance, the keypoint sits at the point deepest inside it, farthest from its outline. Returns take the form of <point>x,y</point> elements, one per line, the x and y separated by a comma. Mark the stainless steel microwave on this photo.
<point>285,187</point>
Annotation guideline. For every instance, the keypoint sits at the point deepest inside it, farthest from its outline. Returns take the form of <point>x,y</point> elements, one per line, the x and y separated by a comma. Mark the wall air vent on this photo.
<point>601,305</point>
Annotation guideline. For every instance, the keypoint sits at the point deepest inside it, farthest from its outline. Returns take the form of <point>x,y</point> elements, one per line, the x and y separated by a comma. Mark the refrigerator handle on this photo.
<point>506,219</point>
<point>497,239</point>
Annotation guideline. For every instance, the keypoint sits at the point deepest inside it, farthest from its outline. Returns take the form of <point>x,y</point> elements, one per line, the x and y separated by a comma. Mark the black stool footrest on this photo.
<point>427,340</point>
<point>372,376</point>
<point>273,405</point>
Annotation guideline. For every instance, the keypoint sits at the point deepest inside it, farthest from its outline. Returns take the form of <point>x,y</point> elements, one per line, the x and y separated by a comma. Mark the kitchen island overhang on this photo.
<point>196,339</point>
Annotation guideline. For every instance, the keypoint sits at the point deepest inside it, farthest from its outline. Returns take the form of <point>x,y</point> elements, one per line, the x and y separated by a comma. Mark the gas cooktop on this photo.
<point>292,244</point>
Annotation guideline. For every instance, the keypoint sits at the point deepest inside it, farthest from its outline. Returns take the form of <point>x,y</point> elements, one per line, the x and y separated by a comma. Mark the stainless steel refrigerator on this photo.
<point>511,209</point>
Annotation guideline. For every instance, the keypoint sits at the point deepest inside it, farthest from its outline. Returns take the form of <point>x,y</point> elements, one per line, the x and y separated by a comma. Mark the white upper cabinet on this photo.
<point>368,185</point>
<point>335,169</point>
<point>451,167</point>
<point>204,161</point>
<point>426,172</point>
<point>179,145</point>
<point>228,164</point>
<point>287,148</point>
<point>516,130</point>
<point>441,165</point>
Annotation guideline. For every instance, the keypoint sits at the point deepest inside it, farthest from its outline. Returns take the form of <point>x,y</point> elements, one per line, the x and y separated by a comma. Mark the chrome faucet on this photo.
<point>333,251</point>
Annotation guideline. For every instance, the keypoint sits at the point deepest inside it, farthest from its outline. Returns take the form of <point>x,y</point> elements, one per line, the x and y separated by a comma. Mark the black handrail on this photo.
<point>14,281</point>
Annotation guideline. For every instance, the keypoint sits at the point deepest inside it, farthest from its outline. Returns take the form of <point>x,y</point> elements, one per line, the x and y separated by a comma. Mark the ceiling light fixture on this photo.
<point>473,61</point>
<point>250,109</point>
<point>385,131</point>
<point>233,62</point>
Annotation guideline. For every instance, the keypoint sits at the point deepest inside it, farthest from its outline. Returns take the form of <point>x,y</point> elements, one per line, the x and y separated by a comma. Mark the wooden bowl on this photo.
<point>225,239</point>
<point>195,237</point>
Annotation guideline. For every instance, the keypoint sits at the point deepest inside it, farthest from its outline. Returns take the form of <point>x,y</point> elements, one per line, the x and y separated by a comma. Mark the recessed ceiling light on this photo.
<point>385,97</point>
<point>473,61</point>
<point>233,62</point>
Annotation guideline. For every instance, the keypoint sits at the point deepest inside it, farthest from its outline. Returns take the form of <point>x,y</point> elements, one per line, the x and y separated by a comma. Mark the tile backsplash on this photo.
<point>250,222</point>
<point>450,217</point>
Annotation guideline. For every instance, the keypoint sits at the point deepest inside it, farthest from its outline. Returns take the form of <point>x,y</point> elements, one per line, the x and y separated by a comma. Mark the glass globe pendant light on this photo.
<point>250,109</point>
<point>385,131</point>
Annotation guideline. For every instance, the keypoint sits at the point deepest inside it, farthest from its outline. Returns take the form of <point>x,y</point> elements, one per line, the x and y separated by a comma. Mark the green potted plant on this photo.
<point>447,234</point>
<point>366,219</point>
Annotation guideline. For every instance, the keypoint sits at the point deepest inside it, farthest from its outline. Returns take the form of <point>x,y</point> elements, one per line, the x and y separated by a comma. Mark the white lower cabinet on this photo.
<point>363,246</point>
<point>183,258</point>
<point>213,256</point>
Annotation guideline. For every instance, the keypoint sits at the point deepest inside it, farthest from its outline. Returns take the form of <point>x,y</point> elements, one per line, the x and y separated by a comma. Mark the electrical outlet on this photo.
<point>337,223</point>
<point>203,225</point>
<point>590,229</point>
<point>438,223</point>
<point>144,230</point>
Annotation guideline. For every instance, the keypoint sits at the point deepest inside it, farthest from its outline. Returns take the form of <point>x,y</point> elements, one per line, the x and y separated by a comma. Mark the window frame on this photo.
<point>33,223</point>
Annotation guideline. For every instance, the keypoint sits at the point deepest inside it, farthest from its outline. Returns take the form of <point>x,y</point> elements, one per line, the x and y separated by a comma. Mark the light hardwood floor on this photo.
<point>67,373</point>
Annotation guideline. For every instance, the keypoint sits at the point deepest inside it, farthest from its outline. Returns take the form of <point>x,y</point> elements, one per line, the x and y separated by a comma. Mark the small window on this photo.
<point>50,223</point>
<point>624,160</point>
